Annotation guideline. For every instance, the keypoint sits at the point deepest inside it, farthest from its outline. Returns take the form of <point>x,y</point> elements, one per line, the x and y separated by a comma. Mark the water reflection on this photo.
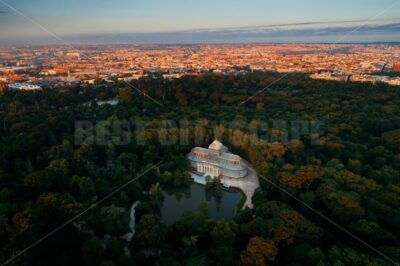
<point>176,201</point>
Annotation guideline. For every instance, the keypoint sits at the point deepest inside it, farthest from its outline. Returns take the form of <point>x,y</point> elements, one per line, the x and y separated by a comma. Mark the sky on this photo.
<point>27,22</point>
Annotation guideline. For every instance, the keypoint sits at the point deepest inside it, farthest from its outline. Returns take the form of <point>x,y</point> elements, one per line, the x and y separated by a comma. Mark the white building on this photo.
<point>216,161</point>
<point>24,86</point>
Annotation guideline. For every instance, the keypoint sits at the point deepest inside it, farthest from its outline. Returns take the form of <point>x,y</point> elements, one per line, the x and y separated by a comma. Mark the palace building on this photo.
<point>216,161</point>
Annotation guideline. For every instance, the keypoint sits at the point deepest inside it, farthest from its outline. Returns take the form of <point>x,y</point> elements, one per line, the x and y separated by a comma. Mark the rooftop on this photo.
<point>218,146</point>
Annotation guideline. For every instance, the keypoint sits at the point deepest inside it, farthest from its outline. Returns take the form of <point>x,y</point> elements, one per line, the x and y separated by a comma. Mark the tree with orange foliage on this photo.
<point>302,178</point>
<point>259,106</point>
<point>275,150</point>
<point>295,145</point>
<point>259,251</point>
<point>22,220</point>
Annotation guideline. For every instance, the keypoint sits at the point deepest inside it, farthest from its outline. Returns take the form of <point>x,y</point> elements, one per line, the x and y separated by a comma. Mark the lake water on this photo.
<point>176,201</point>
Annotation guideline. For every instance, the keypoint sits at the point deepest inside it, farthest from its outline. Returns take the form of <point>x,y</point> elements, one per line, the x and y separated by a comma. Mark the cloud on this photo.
<point>348,31</point>
<point>302,24</point>
<point>359,31</point>
<point>277,32</point>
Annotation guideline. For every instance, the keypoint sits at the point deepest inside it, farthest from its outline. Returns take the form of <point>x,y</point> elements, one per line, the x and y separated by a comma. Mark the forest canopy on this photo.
<point>348,171</point>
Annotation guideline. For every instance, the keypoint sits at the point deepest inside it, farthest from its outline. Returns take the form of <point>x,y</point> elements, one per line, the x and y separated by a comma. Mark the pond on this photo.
<point>176,201</point>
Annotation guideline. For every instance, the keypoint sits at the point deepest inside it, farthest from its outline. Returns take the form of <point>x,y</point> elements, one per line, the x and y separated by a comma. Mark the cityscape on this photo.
<point>60,66</point>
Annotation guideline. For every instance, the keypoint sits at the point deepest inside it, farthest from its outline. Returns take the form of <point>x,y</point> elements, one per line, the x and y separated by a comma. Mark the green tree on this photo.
<point>58,171</point>
<point>83,186</point>
<point>224,232</point>
<point>150,232</point>
<point>92,252</point>
<point>115,220</point>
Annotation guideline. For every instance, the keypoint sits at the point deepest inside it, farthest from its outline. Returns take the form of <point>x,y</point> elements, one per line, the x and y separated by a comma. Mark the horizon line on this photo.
<point>204,43</point>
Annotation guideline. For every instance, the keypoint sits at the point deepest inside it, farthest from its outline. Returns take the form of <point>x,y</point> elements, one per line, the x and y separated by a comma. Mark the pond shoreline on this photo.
<point>247,185</point>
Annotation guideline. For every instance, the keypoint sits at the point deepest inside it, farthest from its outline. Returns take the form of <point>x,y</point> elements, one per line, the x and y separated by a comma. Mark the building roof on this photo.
<point>218,146</point>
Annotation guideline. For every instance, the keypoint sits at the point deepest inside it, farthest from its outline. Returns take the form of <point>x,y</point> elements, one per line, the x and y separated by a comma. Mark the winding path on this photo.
<point>248,184</point>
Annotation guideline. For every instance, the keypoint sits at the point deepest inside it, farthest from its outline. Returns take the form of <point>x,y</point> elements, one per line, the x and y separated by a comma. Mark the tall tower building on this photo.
<point>396,67</point>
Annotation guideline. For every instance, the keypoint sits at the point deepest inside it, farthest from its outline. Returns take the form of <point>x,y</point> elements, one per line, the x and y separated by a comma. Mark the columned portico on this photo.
<point>208,169</point>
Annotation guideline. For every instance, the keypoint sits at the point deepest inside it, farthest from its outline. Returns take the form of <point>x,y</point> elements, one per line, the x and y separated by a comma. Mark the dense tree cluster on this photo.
<point>348,172</point>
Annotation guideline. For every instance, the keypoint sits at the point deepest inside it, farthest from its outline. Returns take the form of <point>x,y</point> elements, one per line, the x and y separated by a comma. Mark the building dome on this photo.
<point>217,146</point>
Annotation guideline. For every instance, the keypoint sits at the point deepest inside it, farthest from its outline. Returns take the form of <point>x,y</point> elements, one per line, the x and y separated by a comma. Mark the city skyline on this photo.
<point>57,65</point>
<point>26,23</point>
